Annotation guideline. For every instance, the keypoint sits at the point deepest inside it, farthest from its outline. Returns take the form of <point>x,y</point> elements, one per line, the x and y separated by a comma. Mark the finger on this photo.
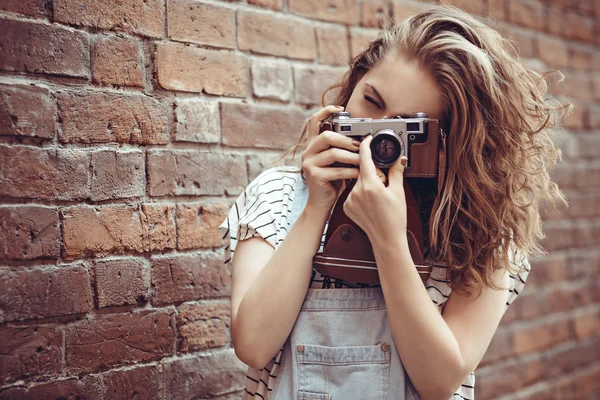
<point>328,157</point>
<point>367,167</point>
<point>329,139</point>
<point>318,117</point>
<point>396,173</point>
<point>336,173</point>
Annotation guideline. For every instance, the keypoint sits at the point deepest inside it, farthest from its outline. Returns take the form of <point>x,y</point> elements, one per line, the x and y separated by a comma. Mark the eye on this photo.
<point>370,100</point>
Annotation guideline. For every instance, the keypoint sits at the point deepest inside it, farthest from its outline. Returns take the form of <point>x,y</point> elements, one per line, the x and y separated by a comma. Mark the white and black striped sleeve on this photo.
<point>261,210</point>
<point>517,282</point>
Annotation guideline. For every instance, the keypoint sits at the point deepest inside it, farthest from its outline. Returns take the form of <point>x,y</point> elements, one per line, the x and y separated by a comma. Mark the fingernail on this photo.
<point>356,143</point>
<point>403,161</point>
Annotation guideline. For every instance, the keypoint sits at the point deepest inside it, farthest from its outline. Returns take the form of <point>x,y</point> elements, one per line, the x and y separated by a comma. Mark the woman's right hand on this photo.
<point>322,150</point>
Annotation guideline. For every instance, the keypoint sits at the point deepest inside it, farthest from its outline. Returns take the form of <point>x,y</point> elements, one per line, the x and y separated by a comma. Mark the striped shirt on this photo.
<point>263,210</point>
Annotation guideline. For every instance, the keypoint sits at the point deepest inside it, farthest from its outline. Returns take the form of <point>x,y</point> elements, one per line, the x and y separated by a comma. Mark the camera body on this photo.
<point>416,137</point>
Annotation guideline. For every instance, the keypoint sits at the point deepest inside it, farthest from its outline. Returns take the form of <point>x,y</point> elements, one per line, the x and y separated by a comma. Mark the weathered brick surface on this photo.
<point>194,22</point>
<point>278,35</point>
<point>222,373</point>
<point>342,11</point>
<point>102,230</point>
<point>529,13</point>
<point>373,13</point>
<point>246,125</point>
<point>197,120</point>
<point>57,174</point>
<point>30,293</point>
<point>30,351</point>
<point>27,110</point>
<point>359,40</point>
<point>189,277</point>
<point>190,172</point>
<point>117,174</point>
<point>117,61</point>
<point>93,117</point>
<point>197,225</point>
<point>29,232</point>
<point>122,281</point>
<point>312,82</point>
<point>276,5</point>
<point>109,340</point>
<point>272,79</point>
<point>201,326</point>
<point>142,17</point>
<point>34,8</point>
<point>87,387</point>
<point>332,45</point>
<point>191,69</point>
<point>143,383</point>
<point>41,48</point>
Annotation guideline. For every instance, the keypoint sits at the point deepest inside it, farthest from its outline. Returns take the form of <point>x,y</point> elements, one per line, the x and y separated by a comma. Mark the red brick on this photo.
<point>117,174</point>
<point>249,125</point>
<point>586,384</point>
<point>122,281</point>
<point>102,230</point>
<point>578,120</point>
<point>189,277</point>
<point>557,20</point>
<point>553,51</point>
<point>27,110</point>
<point>30,351</point>
<point>31,293</point>
<point>295,36</point>
<point>272,79</point>
<point>341,11</point>
<point>109,340</point>
<point>360,39</point>
<point>202,23</point>
<point>276,5</point>
<point>29,232</point>
<point>137,383</point>
<point>589,146</point>
<point>40,48</point>
<point>92,117</point>
<point>311,83</point>
<point>586,325</point>
<point>333,45</point>
<point>374,13</point>
<point>564,360</point>
<point>589,177</point>
<point>202,326</point>
<point>495,381</point>
<point>145,18</point>
<point>500,347</point>
<point>470,6</point>
<point>403,9</point>
<point>191,69</point>
<point>195,173</point>
<point>525,41</point>
<point>581,59</point>
<point>258,163</point>
<point>579,27</point>
<point>197,225</point>
<point>497,9</point>
<point>540,336</point>
<point>579,86</point>
<point>550,268</point>
<point>117,61</point>
<point>197,120</point>
<point>529,13</point>
<point>34,8</point>
<point>222,373</point>
<point>87,387</point>
<point>56,174</point>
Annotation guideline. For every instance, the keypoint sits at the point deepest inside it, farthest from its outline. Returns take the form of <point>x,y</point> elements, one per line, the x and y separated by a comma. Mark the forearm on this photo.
<point>270,308</point>
<point>424,341</point>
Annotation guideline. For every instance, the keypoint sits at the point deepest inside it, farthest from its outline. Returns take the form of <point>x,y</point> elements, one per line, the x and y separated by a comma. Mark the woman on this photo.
<point>400,339</point>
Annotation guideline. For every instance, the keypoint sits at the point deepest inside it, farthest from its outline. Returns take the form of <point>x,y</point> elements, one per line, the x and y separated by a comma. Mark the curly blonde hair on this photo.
<point>498,115</point>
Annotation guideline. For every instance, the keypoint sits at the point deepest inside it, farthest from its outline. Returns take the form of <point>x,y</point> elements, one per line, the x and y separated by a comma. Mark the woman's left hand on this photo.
<point>378,209</point>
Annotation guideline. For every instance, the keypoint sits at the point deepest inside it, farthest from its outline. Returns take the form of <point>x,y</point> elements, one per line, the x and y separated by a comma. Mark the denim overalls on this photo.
<point>341,346</point>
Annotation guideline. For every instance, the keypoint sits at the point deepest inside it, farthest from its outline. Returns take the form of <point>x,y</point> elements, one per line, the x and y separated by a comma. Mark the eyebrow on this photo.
<point>382,101</point>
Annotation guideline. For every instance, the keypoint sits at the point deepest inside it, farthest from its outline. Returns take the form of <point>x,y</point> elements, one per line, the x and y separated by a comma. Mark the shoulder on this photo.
<point>273,179</point>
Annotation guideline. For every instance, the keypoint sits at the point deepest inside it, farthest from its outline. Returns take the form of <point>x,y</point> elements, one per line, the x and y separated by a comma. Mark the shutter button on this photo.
<point>385,347</point>
<point>300,348</point>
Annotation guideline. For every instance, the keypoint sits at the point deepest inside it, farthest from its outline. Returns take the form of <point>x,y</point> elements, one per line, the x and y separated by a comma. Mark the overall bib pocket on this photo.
<point>343,373</point>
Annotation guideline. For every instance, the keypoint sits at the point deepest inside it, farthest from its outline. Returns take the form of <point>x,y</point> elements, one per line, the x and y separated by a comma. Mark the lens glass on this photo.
<point>385,150</point>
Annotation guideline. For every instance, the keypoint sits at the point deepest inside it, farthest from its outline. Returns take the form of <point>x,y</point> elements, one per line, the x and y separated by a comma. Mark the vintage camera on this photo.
<point>417,137</point>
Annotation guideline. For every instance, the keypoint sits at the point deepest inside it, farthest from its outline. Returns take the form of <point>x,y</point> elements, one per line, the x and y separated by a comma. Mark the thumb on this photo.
<point>396,173</point>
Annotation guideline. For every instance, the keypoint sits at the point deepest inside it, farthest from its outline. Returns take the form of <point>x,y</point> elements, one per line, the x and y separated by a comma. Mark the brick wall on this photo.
<point>127,129</point>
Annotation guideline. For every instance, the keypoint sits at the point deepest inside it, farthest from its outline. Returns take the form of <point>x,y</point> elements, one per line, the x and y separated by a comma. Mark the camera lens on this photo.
<point>386,148</point>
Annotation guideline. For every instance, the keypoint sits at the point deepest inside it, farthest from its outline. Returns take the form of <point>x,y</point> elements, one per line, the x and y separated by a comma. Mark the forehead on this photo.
<point>405,86</point>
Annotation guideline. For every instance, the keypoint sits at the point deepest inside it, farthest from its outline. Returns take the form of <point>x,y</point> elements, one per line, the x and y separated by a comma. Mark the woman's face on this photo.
<point>395,87</point>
